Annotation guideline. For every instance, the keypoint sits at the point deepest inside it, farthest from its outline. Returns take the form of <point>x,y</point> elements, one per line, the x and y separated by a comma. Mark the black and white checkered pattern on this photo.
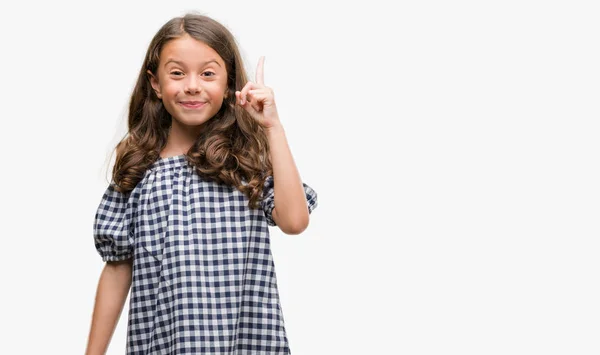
<point>204,280</point>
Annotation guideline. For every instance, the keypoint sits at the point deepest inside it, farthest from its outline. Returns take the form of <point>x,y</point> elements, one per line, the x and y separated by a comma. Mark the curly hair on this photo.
<point>232,146</point>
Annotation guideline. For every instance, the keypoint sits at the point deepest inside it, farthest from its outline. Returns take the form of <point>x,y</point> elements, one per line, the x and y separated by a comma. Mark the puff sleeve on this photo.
<point>268,201</point>
<point>113,225</point>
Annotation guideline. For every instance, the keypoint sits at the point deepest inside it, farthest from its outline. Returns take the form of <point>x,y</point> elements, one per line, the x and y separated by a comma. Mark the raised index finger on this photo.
<point>260,72</point>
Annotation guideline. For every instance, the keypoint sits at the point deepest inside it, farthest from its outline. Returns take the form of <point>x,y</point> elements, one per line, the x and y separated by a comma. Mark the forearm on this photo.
<point>290,199</point>
<point>113,287</point>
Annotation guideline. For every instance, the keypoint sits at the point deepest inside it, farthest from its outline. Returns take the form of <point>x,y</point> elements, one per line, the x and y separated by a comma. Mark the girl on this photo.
<point>203,172</point>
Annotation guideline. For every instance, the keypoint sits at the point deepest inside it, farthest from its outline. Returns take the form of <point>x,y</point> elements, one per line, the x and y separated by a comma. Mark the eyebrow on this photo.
<point>181,63</point>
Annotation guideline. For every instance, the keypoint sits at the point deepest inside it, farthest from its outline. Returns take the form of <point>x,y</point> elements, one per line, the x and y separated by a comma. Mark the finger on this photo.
<point>260,72</point>
<point>252,93</point>
<point>238,96</point>
<point>259,95</point>
<point>252,107</point>
<point>254,101</point>
<point>244,92</point>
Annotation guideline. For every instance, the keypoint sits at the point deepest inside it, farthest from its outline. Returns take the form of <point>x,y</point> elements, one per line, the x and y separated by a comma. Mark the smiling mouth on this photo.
<point>193,104</point>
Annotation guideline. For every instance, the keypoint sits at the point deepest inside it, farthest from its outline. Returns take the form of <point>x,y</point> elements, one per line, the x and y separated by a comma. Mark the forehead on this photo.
<point>188,50</point>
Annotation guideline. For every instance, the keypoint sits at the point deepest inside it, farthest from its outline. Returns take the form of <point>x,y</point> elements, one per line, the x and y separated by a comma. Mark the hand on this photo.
<point>258,99</point>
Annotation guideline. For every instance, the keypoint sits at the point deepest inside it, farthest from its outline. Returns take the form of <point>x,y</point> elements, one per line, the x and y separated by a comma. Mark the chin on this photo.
<point>193,122</point>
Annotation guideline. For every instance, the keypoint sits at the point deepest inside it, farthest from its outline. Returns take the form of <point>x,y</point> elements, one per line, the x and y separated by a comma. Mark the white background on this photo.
<point>453,146</point>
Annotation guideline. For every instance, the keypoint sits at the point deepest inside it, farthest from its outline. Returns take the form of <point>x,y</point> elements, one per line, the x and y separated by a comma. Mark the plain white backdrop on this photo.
<point>453,146</point>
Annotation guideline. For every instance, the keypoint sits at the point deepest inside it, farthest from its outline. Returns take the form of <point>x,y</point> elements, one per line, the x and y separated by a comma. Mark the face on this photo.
<point>191,80</point>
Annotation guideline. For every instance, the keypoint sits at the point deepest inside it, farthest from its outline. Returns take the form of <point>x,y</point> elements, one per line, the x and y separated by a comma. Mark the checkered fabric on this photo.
<point>204,280</point>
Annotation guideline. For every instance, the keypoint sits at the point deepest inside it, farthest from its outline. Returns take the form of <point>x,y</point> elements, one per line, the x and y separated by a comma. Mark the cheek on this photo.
<point>172,88</point>
<point>217,92</point>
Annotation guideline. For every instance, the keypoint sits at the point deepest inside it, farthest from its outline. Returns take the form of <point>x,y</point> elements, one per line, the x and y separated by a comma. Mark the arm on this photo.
<point>290,212</point>
<point>113,288</point>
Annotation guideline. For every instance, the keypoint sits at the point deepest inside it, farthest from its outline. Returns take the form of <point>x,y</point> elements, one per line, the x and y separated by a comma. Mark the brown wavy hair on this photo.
<point>232,146</point>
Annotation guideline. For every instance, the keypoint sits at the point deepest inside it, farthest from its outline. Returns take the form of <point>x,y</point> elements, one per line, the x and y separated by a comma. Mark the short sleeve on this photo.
<point>268,202</point>
<point>113,225</point>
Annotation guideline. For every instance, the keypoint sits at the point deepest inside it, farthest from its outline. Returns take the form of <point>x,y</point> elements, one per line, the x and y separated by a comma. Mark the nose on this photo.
<point>192,86</point>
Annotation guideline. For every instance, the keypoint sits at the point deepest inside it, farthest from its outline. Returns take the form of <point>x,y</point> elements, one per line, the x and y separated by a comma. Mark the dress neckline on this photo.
<point>170,162</point>
<point>172,156</point>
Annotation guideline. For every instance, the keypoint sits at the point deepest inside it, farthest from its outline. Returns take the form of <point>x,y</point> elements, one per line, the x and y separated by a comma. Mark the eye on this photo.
<point>209,72</point>
<point>176,71</point>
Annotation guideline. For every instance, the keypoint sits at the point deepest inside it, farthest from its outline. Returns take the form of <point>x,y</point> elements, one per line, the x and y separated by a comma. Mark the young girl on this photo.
<point>203,172</point>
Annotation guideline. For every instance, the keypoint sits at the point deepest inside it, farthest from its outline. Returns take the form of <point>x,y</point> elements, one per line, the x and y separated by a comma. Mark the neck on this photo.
<point>180,139</point>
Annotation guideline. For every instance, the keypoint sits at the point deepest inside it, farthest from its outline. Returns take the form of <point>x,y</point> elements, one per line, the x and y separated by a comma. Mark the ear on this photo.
<point>155,84</point>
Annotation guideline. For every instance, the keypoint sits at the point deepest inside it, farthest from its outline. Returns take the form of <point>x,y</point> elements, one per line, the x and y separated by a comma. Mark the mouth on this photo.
<point>192,104</point>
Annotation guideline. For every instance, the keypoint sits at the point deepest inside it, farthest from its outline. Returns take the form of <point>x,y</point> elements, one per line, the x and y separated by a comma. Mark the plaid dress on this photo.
<point>204,280</point>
